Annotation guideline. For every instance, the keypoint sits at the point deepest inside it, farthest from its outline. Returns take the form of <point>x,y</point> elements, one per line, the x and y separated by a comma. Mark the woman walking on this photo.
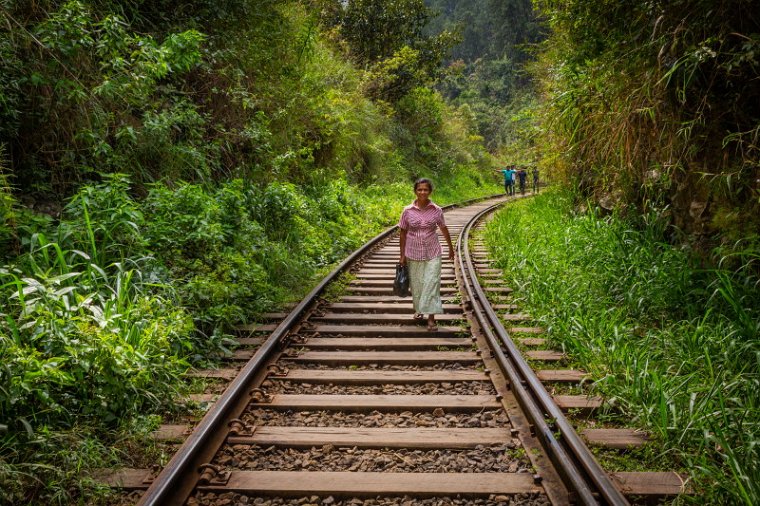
<point>421,251</point>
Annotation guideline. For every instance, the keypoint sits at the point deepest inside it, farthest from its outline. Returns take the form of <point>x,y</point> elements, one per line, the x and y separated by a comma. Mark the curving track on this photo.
<point>350,399</point>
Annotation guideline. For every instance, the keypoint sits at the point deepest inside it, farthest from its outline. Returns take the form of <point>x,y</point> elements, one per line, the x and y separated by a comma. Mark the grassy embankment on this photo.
<point>674,346</point>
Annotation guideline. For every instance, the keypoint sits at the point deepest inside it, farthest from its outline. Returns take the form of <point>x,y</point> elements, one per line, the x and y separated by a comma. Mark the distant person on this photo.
<point>535,180</point>
<point>522,176</point>
<point>509,184</point>
<point>421,251</point>
<point>513,170</point>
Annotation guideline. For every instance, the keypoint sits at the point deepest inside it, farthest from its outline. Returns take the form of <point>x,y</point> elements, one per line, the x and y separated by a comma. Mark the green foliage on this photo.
<point>112,220</point>
<point>501,101</point>
<point>671,344</point>
<point>258,94</point>
<point>486,71</point>
<point>47,465</point>
<point>215,160</point>
<point>376,30</point>
<point>654,107</point>
<point>491,29</point>
<point>11,95</point>
<point>212,248</point>
<point>85,332</point>
<point>7,208</point>
<point>88,73</point>
<point>437,139</point>
<point>386,37</point>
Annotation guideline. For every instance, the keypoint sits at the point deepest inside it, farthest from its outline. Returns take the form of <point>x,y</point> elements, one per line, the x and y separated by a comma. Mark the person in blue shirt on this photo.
<point>509,180</point>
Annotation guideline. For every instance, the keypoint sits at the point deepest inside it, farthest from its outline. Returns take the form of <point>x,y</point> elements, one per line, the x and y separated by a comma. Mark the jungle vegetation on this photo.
<point>671,344</point>
<point>171,169</point>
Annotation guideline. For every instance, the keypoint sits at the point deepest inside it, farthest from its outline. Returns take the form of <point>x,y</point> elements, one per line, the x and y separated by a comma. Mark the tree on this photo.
<point>387,38</point>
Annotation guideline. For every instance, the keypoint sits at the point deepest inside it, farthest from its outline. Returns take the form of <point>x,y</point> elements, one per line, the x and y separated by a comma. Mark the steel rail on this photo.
<point>164,489</point>
<point>583,475</point>
<point>170,487</point>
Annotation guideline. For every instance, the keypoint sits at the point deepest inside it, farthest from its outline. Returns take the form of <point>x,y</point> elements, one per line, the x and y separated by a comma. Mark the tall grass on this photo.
<point>635,117</point>
<point>674,345</point>
<point>84,347</point>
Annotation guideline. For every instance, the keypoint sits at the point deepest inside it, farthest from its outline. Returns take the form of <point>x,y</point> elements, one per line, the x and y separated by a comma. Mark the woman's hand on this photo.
<point>402,260</point>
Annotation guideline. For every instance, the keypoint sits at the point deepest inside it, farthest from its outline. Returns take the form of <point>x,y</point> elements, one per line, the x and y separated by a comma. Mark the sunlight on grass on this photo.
<point>673,346</point>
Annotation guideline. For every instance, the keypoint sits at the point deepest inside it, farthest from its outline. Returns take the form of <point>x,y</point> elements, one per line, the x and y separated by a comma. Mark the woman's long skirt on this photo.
<point>425,285</point>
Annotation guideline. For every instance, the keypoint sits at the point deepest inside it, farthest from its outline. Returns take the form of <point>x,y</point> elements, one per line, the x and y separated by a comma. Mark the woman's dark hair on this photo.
<point>424,180</point>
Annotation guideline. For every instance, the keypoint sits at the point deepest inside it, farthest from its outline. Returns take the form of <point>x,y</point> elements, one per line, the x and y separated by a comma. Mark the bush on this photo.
<point>80,342</point>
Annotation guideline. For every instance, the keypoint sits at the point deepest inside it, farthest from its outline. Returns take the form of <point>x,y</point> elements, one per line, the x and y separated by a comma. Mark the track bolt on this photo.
<point>298,339</point>
<point>277,370</point>
<point>499,397</point>
<point>236,426</point>
<point>259,395</point>
<point>514,432</point>
<point>537,479</point>
<point>487,371</point>
<point>213,475</point>
<point>532,429</point>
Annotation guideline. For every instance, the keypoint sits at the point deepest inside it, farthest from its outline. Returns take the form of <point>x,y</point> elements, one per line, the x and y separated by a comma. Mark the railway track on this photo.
<point>351,400</point>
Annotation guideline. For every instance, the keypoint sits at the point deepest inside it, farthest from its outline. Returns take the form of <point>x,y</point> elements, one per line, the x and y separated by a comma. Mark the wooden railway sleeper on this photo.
<point>151,476</point>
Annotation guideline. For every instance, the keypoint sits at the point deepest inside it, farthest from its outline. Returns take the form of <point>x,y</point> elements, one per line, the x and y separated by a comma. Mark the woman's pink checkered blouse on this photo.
<point>420,225</point>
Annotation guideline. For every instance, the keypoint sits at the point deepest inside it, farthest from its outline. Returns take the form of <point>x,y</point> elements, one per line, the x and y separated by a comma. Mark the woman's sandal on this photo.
<point>418,316</point>
<point>432,327</point>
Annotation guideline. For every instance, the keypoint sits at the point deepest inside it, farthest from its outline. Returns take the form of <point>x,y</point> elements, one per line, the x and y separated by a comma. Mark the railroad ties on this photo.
<point>367,402</point>
<point>361,404</point>
<point>547,364</point>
